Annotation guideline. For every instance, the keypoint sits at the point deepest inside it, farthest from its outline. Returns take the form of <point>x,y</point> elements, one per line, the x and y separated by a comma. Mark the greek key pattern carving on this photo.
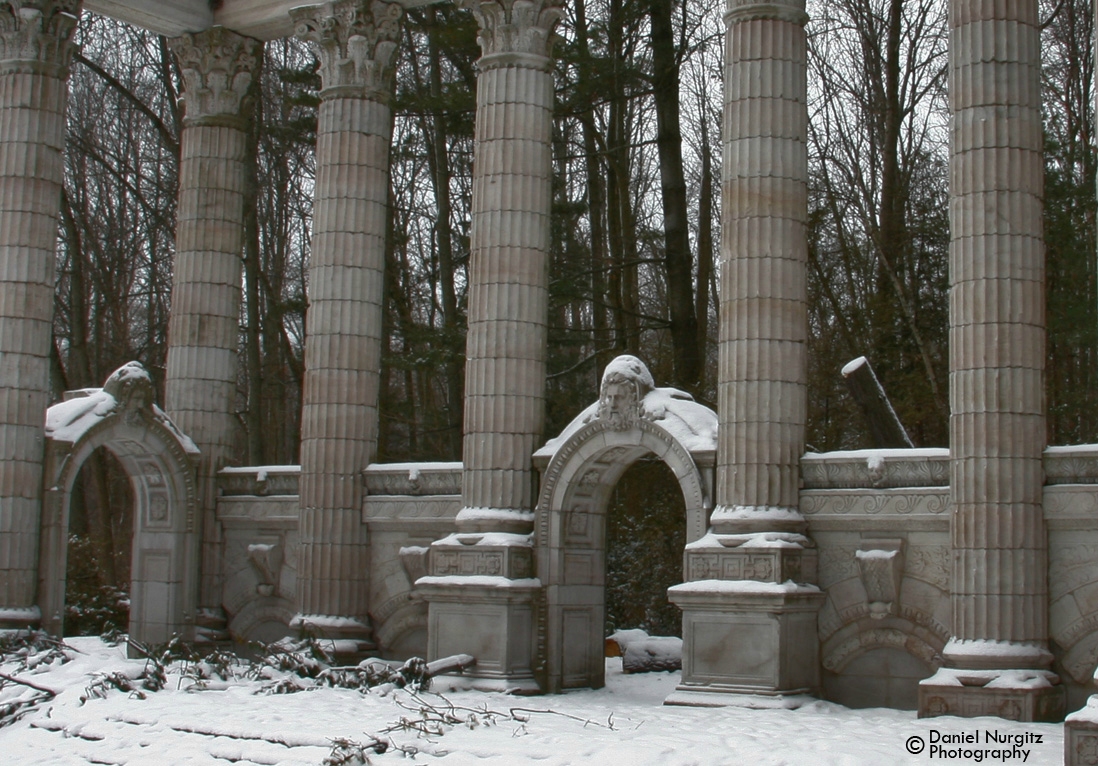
<point>219,69</point>
<point>356,41</point>
<point>517,564</point>
<point>515,26</point>
<point>739,566</point>
<point>36,35</point>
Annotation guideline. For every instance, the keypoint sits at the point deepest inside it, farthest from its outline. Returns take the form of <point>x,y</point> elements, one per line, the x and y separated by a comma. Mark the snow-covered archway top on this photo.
<point>127,393</point>
<point>628,394</point>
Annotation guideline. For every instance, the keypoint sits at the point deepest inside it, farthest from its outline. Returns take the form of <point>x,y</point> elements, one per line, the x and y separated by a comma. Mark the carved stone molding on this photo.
<point>219,69</point>
<point>356,41</point>
<point>749,10</point>
<point>881,564</point>
<point>522,27</point>
<point>36,35</point>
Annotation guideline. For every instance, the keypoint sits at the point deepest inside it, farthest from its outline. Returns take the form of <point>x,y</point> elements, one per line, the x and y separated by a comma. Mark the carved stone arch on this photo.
<point>570,538</point>
<point>160,463</point>
<point>866,641</point>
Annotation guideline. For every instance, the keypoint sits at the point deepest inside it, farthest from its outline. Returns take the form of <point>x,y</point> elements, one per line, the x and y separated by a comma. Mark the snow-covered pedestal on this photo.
<point>747,643</point>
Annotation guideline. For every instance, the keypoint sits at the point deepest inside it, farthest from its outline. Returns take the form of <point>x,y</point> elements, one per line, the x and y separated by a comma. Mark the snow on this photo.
<point>853,365</point>
<point>940,453</point>
<point>623,723</point>
<point>750,541</point>
<point>693,425</point>
<point>494,539</point>
<point>484,581</point>
<point>742,586</point>
<point>261,471</point>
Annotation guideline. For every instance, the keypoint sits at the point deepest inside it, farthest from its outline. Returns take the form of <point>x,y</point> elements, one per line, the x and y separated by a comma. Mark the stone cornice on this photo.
<point>739,10</point>
<point>219,69</point>
<point>356,41</point>
<point>509,27</point>
<point>36,35</point>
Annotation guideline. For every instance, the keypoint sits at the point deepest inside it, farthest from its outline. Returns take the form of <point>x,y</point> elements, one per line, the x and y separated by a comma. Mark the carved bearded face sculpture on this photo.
<point>625,383</point>
<point>618,402</point>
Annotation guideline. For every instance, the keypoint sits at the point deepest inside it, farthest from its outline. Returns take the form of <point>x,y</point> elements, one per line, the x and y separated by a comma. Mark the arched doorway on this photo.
<point>160,463</point>
<point>632,419</point>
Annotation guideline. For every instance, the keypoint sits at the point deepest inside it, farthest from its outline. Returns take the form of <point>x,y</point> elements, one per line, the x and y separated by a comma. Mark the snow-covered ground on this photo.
<point>623,724</point>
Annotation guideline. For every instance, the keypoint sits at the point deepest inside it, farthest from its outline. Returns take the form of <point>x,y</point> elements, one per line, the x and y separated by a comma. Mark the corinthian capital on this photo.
<point>515,26</point>
<point>219,69</point>
<point>356,41</point>
<point>36,35</point>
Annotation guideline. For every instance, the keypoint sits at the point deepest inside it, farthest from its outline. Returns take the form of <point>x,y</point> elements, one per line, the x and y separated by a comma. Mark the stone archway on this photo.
<point>160,463</point>
<point>581,467</point>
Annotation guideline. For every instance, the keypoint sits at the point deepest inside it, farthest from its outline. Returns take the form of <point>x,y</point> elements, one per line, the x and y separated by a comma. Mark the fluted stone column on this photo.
<point>356,40</point>
<point>220,69</point>
<point>756,538</point>
<point>997,355</point>
<point>35,51</point>
<point>505,351</point>
<point>509,264</point>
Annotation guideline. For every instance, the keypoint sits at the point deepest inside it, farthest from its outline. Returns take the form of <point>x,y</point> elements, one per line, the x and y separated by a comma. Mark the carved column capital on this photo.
<point>36,35</point>
<point>515,28</point>
<point>356,41</point>
<point>752,10</point>
<point>219,69</point>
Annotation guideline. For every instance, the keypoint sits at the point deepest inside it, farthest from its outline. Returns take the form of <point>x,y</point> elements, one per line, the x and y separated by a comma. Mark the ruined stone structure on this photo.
<point>957,581</point>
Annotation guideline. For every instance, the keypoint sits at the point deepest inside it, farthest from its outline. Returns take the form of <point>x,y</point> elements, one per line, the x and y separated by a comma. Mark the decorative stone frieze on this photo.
<point>774,557</point>
<point>356,41</point>
<point>515,27</point>
<point>220,69</point>
<point>413,479</point>
<point>36,36</point>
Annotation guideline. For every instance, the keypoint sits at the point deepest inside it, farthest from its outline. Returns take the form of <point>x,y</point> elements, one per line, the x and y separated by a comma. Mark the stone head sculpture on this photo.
<point>625,383</point>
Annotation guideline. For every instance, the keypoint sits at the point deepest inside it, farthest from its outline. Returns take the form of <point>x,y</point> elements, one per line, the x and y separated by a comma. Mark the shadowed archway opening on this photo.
<point>100,539</point>
<point>645,536</point>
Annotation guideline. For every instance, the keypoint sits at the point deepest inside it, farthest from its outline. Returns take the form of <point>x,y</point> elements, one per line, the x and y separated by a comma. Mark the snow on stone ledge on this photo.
<point>494,539</point>
<point>484,581</point>
<point>742,586</point>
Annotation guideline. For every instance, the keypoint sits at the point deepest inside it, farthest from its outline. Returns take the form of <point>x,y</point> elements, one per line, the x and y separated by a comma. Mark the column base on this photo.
<point>345,638</point>
<point>747,640</point>
<point>20,618</point>
<point>1016,695</point>
<point>489,617</point>
<point>1081,735</point>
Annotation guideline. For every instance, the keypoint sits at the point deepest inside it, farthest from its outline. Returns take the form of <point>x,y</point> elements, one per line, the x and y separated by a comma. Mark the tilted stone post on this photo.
<point>749,597</point>
<point>997,357</point>
<point>505,348</point>
<point>220,69</point>
<point>35,51</point>
<point>356,41</point>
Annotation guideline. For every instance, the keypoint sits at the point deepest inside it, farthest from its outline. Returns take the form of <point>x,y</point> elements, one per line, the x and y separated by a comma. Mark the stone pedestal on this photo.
<point>356,41</point>
<point>997,661</point>
<point>35,51</point>
<point>220,70</point>
<point>745,638</point>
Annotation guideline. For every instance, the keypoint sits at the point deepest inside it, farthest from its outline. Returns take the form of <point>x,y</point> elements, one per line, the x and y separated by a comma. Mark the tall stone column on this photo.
<point>740,592</point>
<point>997,355</point>
<point>356,40</point>
<point>220,69</point>
<point>35,51</point>
<point>505,349</point>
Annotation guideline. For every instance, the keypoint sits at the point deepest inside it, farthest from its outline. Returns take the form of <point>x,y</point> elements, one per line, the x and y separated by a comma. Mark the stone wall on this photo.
<point>880,521</point>
<point>406,508</point>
